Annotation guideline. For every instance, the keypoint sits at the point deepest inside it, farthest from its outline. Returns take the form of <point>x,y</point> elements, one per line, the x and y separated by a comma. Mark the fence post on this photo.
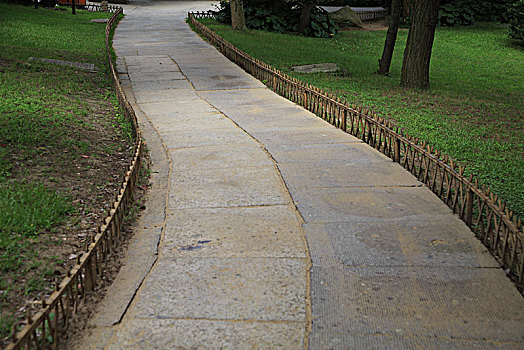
<point>468,215</point>
<point>397,150</point>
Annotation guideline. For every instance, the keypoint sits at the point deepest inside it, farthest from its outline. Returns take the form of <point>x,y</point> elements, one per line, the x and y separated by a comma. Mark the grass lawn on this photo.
<point>63,148</point>
<point>473,112</point>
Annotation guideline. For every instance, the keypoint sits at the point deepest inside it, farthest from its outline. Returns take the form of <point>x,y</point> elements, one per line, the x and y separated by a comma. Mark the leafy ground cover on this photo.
<point>64,146</point>
<point>473,112</point>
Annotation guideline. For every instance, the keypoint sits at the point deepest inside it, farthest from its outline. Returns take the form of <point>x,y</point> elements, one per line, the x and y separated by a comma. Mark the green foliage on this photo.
<point>28,209</point>
<point>355,3</point>
<point>260,15</point>
<point>468,12</point>
<point>472,113</point>
<point>515,18</point>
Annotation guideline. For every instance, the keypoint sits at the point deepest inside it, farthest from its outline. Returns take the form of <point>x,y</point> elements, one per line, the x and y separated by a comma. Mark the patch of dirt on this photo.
<point>91,177</point>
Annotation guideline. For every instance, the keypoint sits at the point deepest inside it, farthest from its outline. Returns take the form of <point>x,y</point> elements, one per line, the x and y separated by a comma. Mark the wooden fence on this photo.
<point>42,330</point>
<point>98,8</point>
<point>497,227</point>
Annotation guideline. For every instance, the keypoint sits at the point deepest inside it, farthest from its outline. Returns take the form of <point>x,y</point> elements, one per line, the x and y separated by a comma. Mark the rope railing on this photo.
<point>498,228</point>
<point>53,315</point>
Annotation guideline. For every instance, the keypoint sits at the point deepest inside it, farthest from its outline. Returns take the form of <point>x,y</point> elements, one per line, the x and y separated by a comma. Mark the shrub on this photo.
<point>515,17</point>
<point>259,14</point>
<point>467,12</point>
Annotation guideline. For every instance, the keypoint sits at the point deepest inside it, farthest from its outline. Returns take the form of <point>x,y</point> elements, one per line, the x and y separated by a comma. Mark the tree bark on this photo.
<point>405,8</point>
<point>415,66</point>
<point>238,21</point>
<point>305,15</point>
<point>385,62</point>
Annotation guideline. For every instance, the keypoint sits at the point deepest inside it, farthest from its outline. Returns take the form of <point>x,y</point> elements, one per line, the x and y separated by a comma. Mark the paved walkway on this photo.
<point>268,228</point>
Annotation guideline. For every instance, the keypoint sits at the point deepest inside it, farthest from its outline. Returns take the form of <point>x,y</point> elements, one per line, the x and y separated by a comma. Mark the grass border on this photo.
<point>54,312</point>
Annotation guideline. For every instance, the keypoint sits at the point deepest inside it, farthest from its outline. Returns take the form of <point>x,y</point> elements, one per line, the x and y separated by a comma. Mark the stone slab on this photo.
<point>141,62</point>
<point>193,106</point>
<point>231,78</point>
<point>198,138</point>
<point>200,61</point>
<point>358,174</point>
<point>326,154</point>
<point>272,231</point>
<point>80,65</point>
<point>195,122</point>
<point>321,134</point>
<point>258,289</point>
<point>137,75</point>
<point>226,187</point>
<point>207,334</point>
<point>171,96</point>
<point>159,86</point>
<point>440,242</point>
<point>221,156</point>
<point>368,204</point>
<point>342,341</point>
<point>316,68</point>
<point>245,98</point>
<point>446,303</point>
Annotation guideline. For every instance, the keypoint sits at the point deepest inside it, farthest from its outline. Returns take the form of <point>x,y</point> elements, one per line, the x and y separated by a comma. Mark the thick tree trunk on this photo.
<point>385,62</point>
<point>305,15</point>
<point>406,8</point>
<point>238,21</point>
<point>415,67</point>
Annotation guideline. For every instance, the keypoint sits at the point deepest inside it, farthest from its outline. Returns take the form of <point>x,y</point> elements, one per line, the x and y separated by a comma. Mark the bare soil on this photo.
<point>92,180</point>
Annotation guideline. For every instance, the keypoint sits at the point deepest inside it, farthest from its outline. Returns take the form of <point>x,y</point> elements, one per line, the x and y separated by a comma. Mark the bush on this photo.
<point>467,12</point>
<point>259,14</point>
<point>355,3</point>
<point>515,17</point>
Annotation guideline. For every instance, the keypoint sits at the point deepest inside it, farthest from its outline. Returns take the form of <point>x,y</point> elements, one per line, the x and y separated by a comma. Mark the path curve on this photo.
<point>249,190</point>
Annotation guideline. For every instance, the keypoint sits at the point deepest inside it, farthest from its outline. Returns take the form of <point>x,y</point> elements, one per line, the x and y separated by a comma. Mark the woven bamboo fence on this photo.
<point>371,15</point>
<point>98,8</point>
<point>42,329</point>
<point>497,227</point>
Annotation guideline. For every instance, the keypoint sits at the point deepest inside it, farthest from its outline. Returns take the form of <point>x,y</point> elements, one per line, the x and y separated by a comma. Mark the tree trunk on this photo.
<point>406,8</point>
<point>415,67</point>
<point>279,6</point>
<point>73,7</point>
<point>238,21</point>
<point>385,62</point>
<point>305,15</point>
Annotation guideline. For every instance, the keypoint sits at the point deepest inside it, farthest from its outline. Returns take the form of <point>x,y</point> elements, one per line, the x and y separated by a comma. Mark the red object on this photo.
<point>68,2</point>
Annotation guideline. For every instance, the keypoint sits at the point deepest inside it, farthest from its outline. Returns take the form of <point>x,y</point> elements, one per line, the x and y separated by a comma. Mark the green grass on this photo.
<point>473,111</point>
<point>46,126</point>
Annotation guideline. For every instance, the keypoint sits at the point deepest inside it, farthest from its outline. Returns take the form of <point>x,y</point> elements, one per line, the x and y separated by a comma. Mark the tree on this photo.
<point>305,15</point>
<point>415,66</point>
<point>238,21</point>
<point>385,62</point>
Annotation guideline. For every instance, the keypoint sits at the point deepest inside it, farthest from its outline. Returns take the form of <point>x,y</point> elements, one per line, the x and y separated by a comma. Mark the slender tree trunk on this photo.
<point>415,67</point>
<point>305,15</point>
<point>385,62</point>
<point>36,4</point>
<point>406,8</point>
<point>73,7</point>
<point>238,21</point>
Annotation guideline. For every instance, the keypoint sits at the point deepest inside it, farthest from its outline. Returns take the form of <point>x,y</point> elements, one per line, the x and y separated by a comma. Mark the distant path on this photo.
<point>249,190</point>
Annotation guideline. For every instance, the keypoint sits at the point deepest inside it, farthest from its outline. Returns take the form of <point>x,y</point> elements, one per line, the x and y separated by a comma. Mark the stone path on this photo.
<point>268,228</point>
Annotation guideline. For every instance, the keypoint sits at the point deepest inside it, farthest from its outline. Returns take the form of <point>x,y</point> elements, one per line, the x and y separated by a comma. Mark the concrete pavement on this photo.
<point>268,228</point>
